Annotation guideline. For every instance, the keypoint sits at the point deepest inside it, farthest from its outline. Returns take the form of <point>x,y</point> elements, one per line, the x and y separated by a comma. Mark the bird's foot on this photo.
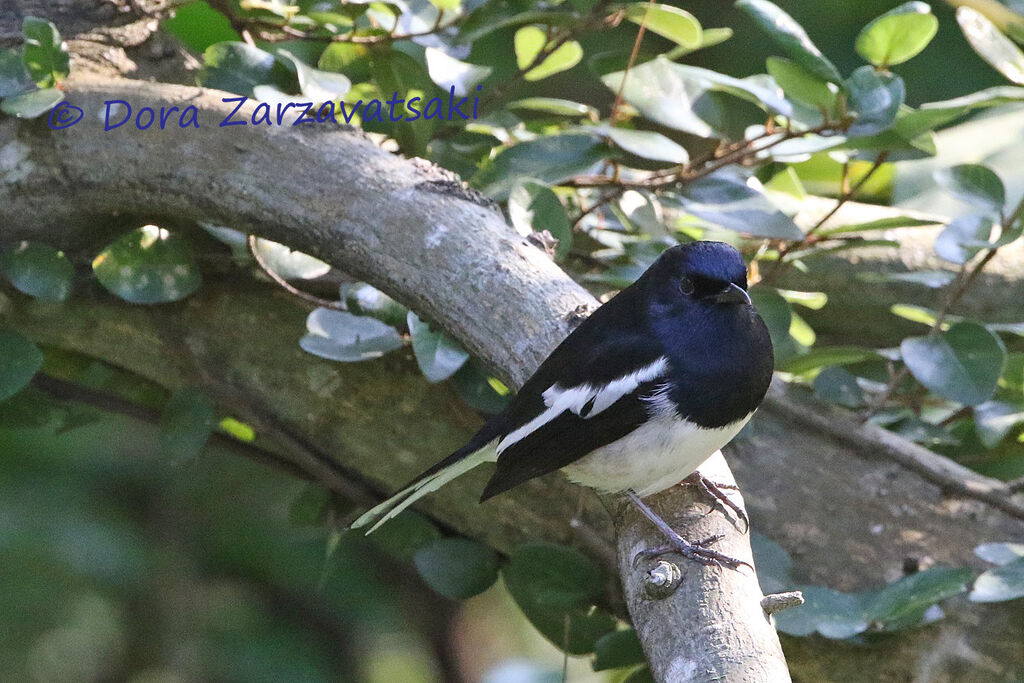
<point>698,551</point>
<point>717,493</point>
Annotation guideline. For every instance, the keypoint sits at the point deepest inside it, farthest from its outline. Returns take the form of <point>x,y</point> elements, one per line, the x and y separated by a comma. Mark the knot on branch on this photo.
<point>662,580</point>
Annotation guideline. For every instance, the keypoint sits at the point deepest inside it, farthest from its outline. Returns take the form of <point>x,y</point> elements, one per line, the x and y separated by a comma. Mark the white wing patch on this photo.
<point>576,399</point>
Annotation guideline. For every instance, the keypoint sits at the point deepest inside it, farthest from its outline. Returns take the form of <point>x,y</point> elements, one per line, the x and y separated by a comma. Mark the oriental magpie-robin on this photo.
<point>636,397</point>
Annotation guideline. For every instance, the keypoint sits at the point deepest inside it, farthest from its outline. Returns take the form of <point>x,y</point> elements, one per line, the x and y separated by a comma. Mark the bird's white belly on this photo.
<point>658,454</point>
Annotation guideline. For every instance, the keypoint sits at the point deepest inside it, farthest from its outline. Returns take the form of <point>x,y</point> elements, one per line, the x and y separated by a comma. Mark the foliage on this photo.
<point>659,150</point>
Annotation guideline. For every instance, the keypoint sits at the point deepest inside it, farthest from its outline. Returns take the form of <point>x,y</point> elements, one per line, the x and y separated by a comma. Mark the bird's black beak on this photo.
<point>733,294</point>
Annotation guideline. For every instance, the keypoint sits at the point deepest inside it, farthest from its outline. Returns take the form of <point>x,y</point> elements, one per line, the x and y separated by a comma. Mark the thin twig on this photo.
<point>287,286</point>
<point>613,117</point>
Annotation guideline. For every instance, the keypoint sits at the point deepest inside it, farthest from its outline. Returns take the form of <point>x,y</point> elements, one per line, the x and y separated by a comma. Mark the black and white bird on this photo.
<point>641,393</point>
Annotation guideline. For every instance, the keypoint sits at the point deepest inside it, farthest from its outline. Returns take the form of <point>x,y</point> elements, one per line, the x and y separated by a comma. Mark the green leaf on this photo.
<point>729,201</point>
<point>897,35</point>
<point>532,206</point>
<point>676,95</point>
<point>993,420</point>
<point>646,144</point>
<point>45,54</point>
<point>826,355</point>
<point>962,364</point>
<point>438,355</point>
<point>641,675</point>
<point>553,105</point>
<point>778,316</point>
<point>20,360</point>
<point>148,266</point>
<point>237,67</point>
<point>395,71</point>
<point>975,184</point>
<point>319,86</point>
<point>551,575</point>
<point>199,26</point>
<point>875,98</point>
<point>457,568</point>
<point>341,336</point>
<point>290,264</point>
<point>404,535</point>
<point>903,604</point>
<point>838,385</point>
<point>554,586</point>
<point>963,238</point>
<point>448,72</point>
<point>618,650</point>
<point>529,41</point>
<point>186,424</point>
<point>14,78</point>
<point>38,270</point>
<point>31,104</point>
<point>990,44</point>
<point>550,159</point>
<point>673,23</point>
<point>829,612</point>
<point>1000,584</point>
<point>791,37</point>
<point>801,85</point>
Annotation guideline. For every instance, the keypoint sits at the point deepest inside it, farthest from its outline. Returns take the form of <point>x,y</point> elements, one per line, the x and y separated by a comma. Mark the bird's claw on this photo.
<point>716,492</point>
<point>696,551</point>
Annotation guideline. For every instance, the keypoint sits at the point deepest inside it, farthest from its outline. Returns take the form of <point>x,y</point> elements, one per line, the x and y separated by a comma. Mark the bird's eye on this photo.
<point>686,285</point>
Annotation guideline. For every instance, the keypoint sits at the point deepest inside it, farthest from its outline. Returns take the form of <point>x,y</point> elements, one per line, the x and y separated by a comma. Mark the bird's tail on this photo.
<point>455,465</point>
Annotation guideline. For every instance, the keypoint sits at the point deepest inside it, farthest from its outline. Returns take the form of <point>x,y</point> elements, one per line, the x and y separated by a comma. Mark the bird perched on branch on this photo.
<point>636,398</point>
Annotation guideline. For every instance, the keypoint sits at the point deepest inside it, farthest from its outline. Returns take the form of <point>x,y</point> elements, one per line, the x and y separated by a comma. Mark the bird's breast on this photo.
<point>658,454</point>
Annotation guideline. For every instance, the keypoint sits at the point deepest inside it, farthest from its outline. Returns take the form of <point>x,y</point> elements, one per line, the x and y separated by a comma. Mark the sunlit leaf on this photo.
<point>898,35</point>
<point>342,336</point>
<point>319,86</point>
<point>731,202</point>
<point>148,266</point>
<point>236,67</point>
<point>824,356</point>
<point>290,264</point>
<point>45,55</point>
<point>530,41</point>
<point>904,603</point>
<point>553,105</point>
<point>1000,584</point>
<point>963,237</point>
<point>990,43</point>
<point>647,144</point>
<point>667,21</point>
<point>993,420</point>
<point>801,85</point>
<point>448,72</point>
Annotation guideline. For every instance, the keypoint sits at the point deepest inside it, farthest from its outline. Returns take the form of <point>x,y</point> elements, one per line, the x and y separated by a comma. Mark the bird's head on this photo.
<point>699,274</point>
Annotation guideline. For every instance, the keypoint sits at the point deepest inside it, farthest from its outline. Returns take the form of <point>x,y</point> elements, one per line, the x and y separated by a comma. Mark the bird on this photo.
<point>636,397</point>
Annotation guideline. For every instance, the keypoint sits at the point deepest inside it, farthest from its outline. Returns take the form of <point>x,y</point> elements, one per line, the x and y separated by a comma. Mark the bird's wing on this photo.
<point>555,421</point>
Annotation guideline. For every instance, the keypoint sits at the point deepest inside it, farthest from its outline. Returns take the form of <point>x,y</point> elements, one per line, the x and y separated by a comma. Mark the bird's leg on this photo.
<point>696,551</point>
<point>717,493</point>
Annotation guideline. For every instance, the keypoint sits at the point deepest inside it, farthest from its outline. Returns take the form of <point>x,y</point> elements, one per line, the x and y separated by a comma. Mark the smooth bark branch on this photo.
<point>406,227</point>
